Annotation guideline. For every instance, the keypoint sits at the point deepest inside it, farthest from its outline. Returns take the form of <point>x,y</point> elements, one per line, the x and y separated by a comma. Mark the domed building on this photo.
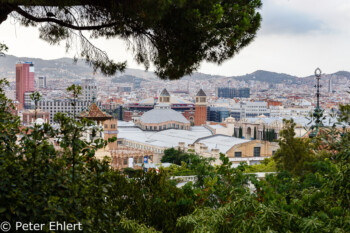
<point>175,102</point>
<point>162,117</point>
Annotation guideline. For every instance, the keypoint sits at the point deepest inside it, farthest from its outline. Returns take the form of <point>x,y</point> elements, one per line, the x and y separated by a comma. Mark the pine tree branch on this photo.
<point>59,22</point>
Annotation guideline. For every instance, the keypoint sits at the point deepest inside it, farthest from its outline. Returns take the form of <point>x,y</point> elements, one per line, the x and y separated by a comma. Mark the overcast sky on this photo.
<point>296,36</point>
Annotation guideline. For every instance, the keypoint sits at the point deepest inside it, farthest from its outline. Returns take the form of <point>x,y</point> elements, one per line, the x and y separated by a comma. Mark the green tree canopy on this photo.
<point>294,152</point>
<point>37,185</point>
<point>174,36</point>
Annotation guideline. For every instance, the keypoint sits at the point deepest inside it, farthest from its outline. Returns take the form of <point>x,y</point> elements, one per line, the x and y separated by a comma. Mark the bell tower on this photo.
<point>200,116</point>
<point>110,131</point>
<point>164,97</point>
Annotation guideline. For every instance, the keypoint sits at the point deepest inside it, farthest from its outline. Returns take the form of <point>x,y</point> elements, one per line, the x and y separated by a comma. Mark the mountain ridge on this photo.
<point>66,67</point>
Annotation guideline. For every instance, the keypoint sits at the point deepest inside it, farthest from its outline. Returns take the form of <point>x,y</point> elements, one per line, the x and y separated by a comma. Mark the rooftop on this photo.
<point>166,138</point>
<point>221,142</point>
<point>201,93</point>
<point>164,93</point>
<point>162,115</point>
<point>95,113</point>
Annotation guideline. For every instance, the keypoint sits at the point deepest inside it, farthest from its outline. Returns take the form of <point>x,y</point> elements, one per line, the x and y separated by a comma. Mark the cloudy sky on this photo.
<point>296,36</point>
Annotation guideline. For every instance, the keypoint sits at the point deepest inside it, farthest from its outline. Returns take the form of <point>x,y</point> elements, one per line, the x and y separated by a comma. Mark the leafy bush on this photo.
<point>42,182</point>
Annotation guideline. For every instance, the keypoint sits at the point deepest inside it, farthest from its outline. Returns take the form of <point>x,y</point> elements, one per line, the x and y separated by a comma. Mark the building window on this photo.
<point>238,154</point>
<point>168,126</point>
<point>273,152</point>
<point>151,127</point>
<point>164,126</point>
<point>140,160</point>
<point>173,126</point>
<point>106,126</point>
<point>155,127</point>
<point>177,126</point>
<point>112,126</point>
<point>256,151</point>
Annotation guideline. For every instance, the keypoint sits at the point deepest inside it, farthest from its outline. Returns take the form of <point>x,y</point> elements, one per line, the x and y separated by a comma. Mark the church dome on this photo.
<point>160,115</point>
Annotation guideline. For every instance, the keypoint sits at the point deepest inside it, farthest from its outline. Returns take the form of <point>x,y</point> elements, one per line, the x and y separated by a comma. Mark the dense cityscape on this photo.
<point>211,115</point>
<point>238,120</point>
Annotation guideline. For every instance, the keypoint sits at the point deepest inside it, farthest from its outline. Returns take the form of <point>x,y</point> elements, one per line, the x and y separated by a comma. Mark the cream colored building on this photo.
<point>258,124</point>
<point>236,149</point>
<point>225,128</point>
<point>121,156</point>
<point>252,152</point>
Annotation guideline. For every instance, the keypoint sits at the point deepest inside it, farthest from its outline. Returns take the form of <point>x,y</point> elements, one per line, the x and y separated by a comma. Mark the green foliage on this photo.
<point>294,152</point>
<point>191,164</point>
<point>240,132</point>
<point>267,165</point>
<point>183,170</point>
<point>41,182</point>
<point>174,156</point>
<point>3,48</point>
<point>269,135</point>
<point>74,91</point>
<point>310,195</point>
<point>35,96</point>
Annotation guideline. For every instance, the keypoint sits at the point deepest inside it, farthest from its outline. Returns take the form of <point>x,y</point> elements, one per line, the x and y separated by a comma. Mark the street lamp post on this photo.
<point>318,112</point>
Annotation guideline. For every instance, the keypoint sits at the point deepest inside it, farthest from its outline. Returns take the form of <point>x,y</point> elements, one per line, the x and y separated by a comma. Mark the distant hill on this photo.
<point>66,68</point>
<point>201,76</point>
<point>343,74</point>
<point>267,76</point>
<point>126,79</point>
<point>58,68</point>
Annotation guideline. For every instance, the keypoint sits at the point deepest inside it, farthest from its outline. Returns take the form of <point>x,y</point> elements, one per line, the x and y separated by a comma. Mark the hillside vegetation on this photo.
<point>40,183</point>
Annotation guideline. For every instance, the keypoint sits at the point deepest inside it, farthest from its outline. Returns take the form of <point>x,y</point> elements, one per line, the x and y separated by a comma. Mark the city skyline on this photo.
<point>295,38</point>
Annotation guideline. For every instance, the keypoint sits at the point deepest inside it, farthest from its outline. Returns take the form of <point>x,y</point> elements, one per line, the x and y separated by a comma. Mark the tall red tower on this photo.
<point>200,116</point>
<point>24,80</point>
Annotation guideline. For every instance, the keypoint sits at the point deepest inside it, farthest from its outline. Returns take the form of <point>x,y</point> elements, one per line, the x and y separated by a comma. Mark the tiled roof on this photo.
<point>166,138</point>
<point>201,93</point>
<point>95,113</point>
<point>162,115</point>
<point>164,93</point>
<point>221,142</point>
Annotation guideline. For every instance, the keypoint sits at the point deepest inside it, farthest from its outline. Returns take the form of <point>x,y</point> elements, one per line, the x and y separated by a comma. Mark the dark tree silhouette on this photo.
<point>174,36</point>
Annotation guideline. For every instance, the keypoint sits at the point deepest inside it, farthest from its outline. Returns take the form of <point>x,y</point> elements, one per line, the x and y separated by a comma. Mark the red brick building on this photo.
<point>189,115</point>
<point>200,108</point>
<point>127,115</point>
<point>24,80</point>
